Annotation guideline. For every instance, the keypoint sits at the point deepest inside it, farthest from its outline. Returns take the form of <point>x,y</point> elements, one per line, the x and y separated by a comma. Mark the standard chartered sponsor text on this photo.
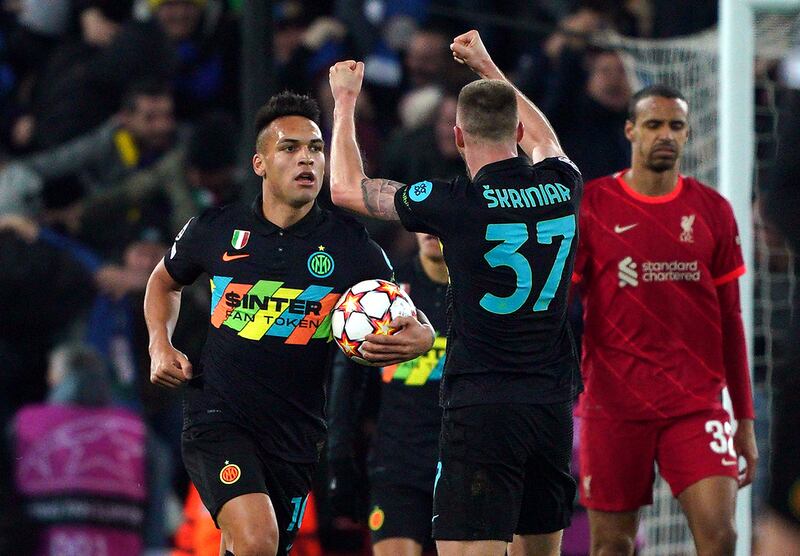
<point>670,271</point>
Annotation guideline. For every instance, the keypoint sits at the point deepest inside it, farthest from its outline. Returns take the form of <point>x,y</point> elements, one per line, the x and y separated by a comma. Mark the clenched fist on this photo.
<point>469,49</point>
<point>168,366</point>
<point>345,78</point>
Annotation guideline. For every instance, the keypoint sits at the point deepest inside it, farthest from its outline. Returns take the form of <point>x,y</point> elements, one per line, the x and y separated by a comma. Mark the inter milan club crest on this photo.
<point>320,264</point>
<point>239,238</point>
<point>230,473</point>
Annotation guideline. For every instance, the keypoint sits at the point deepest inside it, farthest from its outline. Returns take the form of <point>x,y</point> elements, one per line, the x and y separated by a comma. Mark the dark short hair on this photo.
<point>287,103</point>
<point>145,87</point>
<point>488,109</point>
<point>658,90</point>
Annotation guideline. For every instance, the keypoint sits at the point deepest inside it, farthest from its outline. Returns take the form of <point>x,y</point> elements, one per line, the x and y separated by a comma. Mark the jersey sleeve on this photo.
<point>183,260</point>
<point>426,206</point>
<point>728,261</point>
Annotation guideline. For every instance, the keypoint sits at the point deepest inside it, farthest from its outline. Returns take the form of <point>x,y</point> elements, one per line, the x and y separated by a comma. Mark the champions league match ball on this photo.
<point>368,308</point>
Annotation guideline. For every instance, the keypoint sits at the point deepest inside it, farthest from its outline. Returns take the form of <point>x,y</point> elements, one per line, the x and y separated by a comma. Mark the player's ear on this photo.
<point>258,165</point>
<point>459,135</point>
<point>520,131</point>
<point>629,130</point>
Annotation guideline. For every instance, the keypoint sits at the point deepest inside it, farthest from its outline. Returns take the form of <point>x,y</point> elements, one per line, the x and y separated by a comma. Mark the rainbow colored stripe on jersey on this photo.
<point>267,308</point>
<point>421,370</point>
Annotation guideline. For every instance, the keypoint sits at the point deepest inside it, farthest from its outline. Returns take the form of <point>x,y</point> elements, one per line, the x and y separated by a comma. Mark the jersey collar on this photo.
<point>301,228</point>
<point>499,166</point>
<point>647,198</point>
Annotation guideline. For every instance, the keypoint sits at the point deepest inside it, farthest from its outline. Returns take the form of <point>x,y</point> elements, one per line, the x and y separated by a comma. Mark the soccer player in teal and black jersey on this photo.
<point>509,238</point>
<point>253,408</point>
<point>403,455</point>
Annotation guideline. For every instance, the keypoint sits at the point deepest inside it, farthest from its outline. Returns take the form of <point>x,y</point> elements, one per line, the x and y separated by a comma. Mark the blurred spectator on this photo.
<point>427,151</point>
<point>206,47</point>
<point>413,155</point>
<point>143,132</point>
<point>80,463</point>
<point>588,107</point>
<point>41,277</point>
<point>160,199</point>
<point>200,174</point>
<point>304,52</point>
<point>74,89</point>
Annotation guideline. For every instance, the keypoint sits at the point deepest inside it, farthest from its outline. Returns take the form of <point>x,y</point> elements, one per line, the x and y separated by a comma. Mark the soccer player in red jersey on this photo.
<point>657,266</point>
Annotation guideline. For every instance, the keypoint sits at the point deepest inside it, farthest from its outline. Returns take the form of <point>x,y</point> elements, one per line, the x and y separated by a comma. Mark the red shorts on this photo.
<point>617,457</point>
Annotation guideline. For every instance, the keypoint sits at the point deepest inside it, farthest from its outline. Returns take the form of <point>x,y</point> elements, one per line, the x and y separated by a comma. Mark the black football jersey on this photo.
<point>509,238</point>
<point>406,445</point>
<point>269,346</point>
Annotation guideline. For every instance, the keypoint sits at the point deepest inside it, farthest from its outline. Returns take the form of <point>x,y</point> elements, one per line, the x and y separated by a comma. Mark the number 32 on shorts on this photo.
<point>721,442</point>
<point>513,236</point>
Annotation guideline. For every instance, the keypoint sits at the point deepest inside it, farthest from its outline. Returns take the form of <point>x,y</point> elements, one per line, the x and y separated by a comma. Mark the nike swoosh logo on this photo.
<point>621,229</point>
<point>228,258</point>
<point>434,517</point>
<point>728,462</point>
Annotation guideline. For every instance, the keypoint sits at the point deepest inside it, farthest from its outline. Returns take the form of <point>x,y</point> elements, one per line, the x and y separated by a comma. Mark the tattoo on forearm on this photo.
<point>378,196</point>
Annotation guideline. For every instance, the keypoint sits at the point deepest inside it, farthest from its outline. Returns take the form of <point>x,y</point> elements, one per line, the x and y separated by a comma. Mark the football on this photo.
<point>368,308</point>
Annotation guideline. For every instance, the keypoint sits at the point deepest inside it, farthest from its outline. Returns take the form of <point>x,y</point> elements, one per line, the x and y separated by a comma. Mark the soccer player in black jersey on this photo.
<point>253,407</point>
<point>404,452</point>
<point>509,238</point>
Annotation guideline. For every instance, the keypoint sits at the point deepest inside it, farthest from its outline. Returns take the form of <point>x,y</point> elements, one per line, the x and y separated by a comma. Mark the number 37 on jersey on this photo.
<point>512,238</point>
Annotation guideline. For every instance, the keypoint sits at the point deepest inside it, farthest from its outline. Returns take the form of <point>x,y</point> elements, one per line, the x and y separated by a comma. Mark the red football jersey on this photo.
<point>648,269</point>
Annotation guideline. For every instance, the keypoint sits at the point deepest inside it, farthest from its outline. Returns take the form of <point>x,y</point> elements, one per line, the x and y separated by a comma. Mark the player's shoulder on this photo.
<point>706,195</point>
<point>696,187</point>
<point>216,215</point>
<point>423,189</point>
<point>345,226</point>
<point>343,221</point>
<point>599,187</point>
<point>559,164</point>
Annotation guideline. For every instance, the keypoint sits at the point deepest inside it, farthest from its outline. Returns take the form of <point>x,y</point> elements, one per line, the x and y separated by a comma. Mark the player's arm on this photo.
<point>737,376</point>
<point>162,302</point>
<point>350,187</point>
<point>539,140</point>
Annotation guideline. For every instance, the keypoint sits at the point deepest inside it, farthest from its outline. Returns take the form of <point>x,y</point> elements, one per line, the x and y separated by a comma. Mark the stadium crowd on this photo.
<point>121,119</point>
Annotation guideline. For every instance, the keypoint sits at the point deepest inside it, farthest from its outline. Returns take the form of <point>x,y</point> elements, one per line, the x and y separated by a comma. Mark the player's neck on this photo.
<point>650,183</point>
<point>281,214</point>
<point>435,270</point>
<point>478,157</point>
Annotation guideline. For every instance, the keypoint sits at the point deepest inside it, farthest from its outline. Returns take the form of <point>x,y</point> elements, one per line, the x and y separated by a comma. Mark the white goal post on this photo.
<point>736,154</point>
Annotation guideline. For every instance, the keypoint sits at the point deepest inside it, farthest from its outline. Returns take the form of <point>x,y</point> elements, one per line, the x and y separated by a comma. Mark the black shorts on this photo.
<point>224,461</point>
<point>504,470</point>
<point>400,511</point>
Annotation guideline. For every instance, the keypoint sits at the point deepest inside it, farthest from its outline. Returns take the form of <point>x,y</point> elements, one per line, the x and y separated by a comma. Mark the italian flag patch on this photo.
<point>240,238</point>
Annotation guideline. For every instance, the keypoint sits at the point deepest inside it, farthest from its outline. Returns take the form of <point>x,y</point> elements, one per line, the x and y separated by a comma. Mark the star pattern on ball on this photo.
<point>349,348</point>
<point>383,327</point>
<point>351,303</point>
<point>390,288</point>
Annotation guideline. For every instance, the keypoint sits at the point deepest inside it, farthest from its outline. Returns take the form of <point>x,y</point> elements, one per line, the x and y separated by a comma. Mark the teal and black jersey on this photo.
<point>509,238</point>
<point>268,350</point>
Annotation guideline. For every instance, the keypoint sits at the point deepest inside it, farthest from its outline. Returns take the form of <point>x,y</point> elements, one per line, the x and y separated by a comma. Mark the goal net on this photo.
<point>691,64</point>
